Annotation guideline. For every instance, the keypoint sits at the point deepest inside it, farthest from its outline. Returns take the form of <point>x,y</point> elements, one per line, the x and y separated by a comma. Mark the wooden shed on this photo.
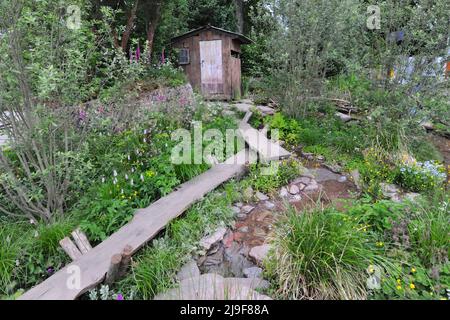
<point>211,58</point>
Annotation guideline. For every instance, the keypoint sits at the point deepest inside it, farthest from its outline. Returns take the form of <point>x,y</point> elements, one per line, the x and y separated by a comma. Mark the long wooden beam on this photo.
<point>267,149</point>
<point>90,269</point>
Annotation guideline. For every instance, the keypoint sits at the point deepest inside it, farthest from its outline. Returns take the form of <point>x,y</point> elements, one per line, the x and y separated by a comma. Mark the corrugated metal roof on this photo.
<point>235,35</point>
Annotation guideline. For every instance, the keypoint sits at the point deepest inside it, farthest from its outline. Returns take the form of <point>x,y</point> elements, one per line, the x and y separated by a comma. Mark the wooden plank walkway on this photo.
<point>145,225</point>
<point>257,141</point>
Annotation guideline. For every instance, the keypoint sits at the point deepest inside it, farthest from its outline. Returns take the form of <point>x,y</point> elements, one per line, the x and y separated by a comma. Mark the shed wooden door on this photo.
<point>211,67</point>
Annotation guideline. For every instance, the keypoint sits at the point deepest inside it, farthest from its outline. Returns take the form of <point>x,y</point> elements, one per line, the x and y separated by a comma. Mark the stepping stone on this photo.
<point>344,117</point>
<point>212,286</point>
<point>294,189</point>
<point>311,187</point>
<point>261,196</point>
<point>241,216</point>
<point>208,241</point>
<point>269,205</point>
<point>342,179</point>
<point>295,199</point>
<point>304,180</point>
<point>283,192</point>
<point>259,253</point>
<point>247,209</point>
<point>322,175</point>
<point>333,167</point>
<point>236,209</point>
<point>253,272</point>
<point>189,270</point>
<point>244,107</point>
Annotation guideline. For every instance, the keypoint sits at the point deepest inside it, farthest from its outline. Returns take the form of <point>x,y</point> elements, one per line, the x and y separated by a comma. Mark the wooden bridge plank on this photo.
<point>93,266</point>
<point>257,141</point>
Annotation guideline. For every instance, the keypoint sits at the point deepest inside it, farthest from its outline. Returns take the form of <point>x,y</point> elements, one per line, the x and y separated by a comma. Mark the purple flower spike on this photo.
<point>138,53</point>
<point>120,297</point>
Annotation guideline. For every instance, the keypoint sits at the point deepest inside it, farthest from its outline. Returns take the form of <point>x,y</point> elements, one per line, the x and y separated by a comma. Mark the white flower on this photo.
<point>103,179</point>
<point>115,173</point>
<point>126,177</point>
<point>36,234</point>
<point>142,177</point>
<point>17,262</point>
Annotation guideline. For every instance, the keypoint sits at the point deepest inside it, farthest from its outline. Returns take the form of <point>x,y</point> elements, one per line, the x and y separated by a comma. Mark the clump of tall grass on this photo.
<point>321,254</point>
<point>429,230</point>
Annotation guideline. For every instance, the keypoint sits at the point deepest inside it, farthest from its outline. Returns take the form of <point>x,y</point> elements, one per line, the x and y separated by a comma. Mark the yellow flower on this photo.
<point>149,173</point>
<point>379,244</point>
<point>412,286</point>
<point>399,281</point>
<point>399,287</point>
<point>413,270</point>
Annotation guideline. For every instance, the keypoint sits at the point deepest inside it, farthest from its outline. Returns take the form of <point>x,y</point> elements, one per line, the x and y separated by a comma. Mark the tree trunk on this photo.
<point>130,25</point>
<point>152,25</point>
<point>240,15</point>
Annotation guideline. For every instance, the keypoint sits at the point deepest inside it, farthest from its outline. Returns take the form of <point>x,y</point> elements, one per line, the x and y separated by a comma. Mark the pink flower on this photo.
<point>120,297</point>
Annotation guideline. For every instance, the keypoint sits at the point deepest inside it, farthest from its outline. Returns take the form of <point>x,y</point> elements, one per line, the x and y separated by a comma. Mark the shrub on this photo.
<point>421,176</point>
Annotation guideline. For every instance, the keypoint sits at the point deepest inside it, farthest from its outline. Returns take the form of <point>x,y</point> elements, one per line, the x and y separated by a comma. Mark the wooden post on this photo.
<point>113,271</point>
<point>81,241</point>
<point>126,260</point>
<point>70,248</point>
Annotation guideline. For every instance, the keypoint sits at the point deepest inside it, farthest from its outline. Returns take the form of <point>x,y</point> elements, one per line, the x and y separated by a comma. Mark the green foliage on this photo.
<point>9,251</point>
<point>157,265</point>
<point>267,178</point>
<point>429,229</point>
<point>421,176</point>
<point>378,167</point>
<point>218,13</point>
<point>167,75</point>
<point>415,238</point>
<point>30,253</point>
<point>321,255</point>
